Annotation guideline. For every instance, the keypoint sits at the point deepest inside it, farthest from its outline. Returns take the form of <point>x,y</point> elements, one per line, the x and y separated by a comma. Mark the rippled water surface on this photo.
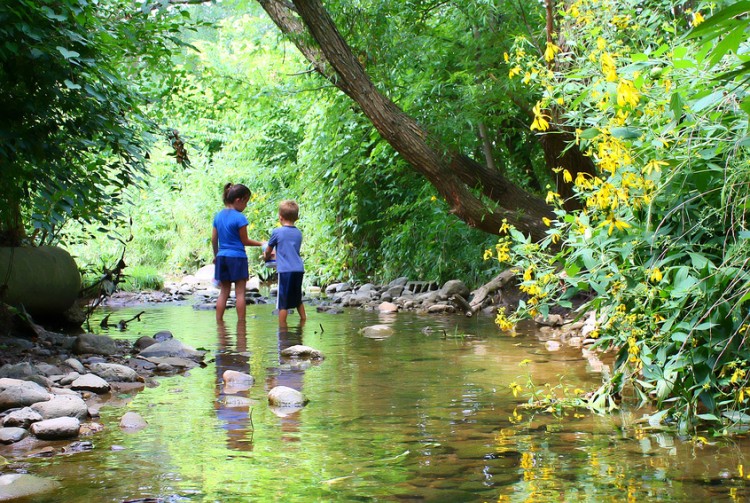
<point>426,414</point>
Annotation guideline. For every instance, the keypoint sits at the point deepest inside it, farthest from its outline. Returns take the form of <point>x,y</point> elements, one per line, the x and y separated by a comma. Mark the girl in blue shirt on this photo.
<point>229,239</point>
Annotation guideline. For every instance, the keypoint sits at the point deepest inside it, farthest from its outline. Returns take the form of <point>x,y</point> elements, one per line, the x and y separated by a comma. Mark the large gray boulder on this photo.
<point>114,372</point>
<point>171,348</point>
<point>22,418</point>
<point>454,287</point>
<point>62,406</point>
<point>15,393</point>
<point>90,382</point>
<point>56,429</point>
<point>94,344</point>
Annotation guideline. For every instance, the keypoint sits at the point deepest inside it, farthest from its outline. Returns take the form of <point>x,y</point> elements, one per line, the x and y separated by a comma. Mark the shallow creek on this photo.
<point>426,414</point>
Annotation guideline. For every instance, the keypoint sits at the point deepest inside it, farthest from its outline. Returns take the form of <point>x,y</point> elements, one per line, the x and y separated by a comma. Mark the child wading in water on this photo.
<point>287,240</point>
<point>229,239</point>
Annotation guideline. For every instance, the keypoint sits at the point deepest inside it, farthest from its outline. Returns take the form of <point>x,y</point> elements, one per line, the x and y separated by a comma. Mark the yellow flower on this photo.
<point>524,362</point>
<point>601,43</point>
<point>567,177</point>
<point>550,51</point>
<point>697,18</point>
<point>627,94</point>
<point>609,68</point>
<point>515,388</point>
<point>546,221</point>
<point>540,120</point>
<point>655,275</point>
<point>433,198</point>
<point>514,71</point>
<point>505,57</point>
<point>653,165</point>
<point>614,224</point>
<point>487,254</point>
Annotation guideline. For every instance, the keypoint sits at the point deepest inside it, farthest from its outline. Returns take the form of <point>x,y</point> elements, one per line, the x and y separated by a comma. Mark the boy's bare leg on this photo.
<point>239,300</point>
<point>301,311</point>
<point>221,302</point>
<point>282,317</point>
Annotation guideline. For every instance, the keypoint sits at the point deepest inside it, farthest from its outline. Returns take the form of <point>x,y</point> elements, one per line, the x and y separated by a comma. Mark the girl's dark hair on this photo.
<point>234,191</point>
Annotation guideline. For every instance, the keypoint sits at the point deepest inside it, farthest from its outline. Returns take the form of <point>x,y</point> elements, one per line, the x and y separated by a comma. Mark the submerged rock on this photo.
<point>20,485</point>
<point>377,331</point>
<point>300,351</point>
<point>286,397</point>
<point>132,421</point>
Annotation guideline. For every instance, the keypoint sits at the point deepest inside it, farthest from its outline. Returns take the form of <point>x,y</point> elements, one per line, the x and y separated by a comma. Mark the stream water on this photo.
<point>426,414</point>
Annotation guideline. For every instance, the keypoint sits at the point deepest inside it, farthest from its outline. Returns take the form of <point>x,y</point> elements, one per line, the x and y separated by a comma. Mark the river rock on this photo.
<point>21,370</point>
<point>377,331</point>
<point>21,418</point>
<point>388,307</point>
<point>21,485</point>
<point>171,348</point>
<point>454,287</point>
<point>299,351</point>
<point>143,342</point>
<point>67,379</point>
<point>132,421</point>
<point>56,429</point>
<point>62,406</point>
<point>75,365</point>
<point>94,344</point>
<point>237,379</point>
<point>12,435</point>
<point>283,396</point>
<point>114,372</point>
<point>163,335</point>
<point>15,393</point>
<point>440,308</point>
<point>90,382</point>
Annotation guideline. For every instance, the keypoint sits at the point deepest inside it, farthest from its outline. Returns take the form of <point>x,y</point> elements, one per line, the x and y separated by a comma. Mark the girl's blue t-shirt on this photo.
<point>228,223</point>
<point>287,240</point>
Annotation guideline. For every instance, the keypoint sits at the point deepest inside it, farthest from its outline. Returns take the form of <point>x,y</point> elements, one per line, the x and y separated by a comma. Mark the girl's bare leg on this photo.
<point>239,299</point>
<point>221,302</point>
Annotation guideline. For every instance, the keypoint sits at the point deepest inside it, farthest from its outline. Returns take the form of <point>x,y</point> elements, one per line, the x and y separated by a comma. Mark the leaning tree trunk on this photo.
<point>457,178</point>
<point>460,180</point>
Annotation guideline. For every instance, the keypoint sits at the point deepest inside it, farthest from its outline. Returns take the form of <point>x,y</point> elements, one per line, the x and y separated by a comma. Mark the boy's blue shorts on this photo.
<point>230,268</point>
<point>290,290</point>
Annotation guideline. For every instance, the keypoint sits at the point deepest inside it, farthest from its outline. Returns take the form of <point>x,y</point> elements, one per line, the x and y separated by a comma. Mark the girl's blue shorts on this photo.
<point>290,290</point>
<point>230,268</point>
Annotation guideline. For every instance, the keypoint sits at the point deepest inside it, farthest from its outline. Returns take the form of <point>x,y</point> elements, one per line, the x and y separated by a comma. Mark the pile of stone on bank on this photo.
<point>56,391</point>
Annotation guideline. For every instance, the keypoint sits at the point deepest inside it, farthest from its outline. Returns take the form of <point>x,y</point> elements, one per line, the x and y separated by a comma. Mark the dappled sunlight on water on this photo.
<point>425,414</point>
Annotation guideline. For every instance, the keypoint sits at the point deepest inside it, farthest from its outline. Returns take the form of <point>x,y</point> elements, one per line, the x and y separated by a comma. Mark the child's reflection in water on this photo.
<point>289,373</point>
<point>233,403</point>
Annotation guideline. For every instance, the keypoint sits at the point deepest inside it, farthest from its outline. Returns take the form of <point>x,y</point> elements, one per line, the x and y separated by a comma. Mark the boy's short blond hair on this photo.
<point>289,210</point>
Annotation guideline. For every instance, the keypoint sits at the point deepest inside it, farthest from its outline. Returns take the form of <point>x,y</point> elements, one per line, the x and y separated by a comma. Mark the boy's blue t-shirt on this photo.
<point>287,240</point>
<point>228,223</point>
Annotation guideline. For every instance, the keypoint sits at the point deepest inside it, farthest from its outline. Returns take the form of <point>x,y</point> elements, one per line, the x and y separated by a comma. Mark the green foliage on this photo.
<point>140,278</point>
<point>662,239</point>
<point>73,136</point>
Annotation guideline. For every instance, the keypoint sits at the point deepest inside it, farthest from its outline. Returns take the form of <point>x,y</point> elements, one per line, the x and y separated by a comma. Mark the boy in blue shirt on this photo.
<point>287,241</point>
